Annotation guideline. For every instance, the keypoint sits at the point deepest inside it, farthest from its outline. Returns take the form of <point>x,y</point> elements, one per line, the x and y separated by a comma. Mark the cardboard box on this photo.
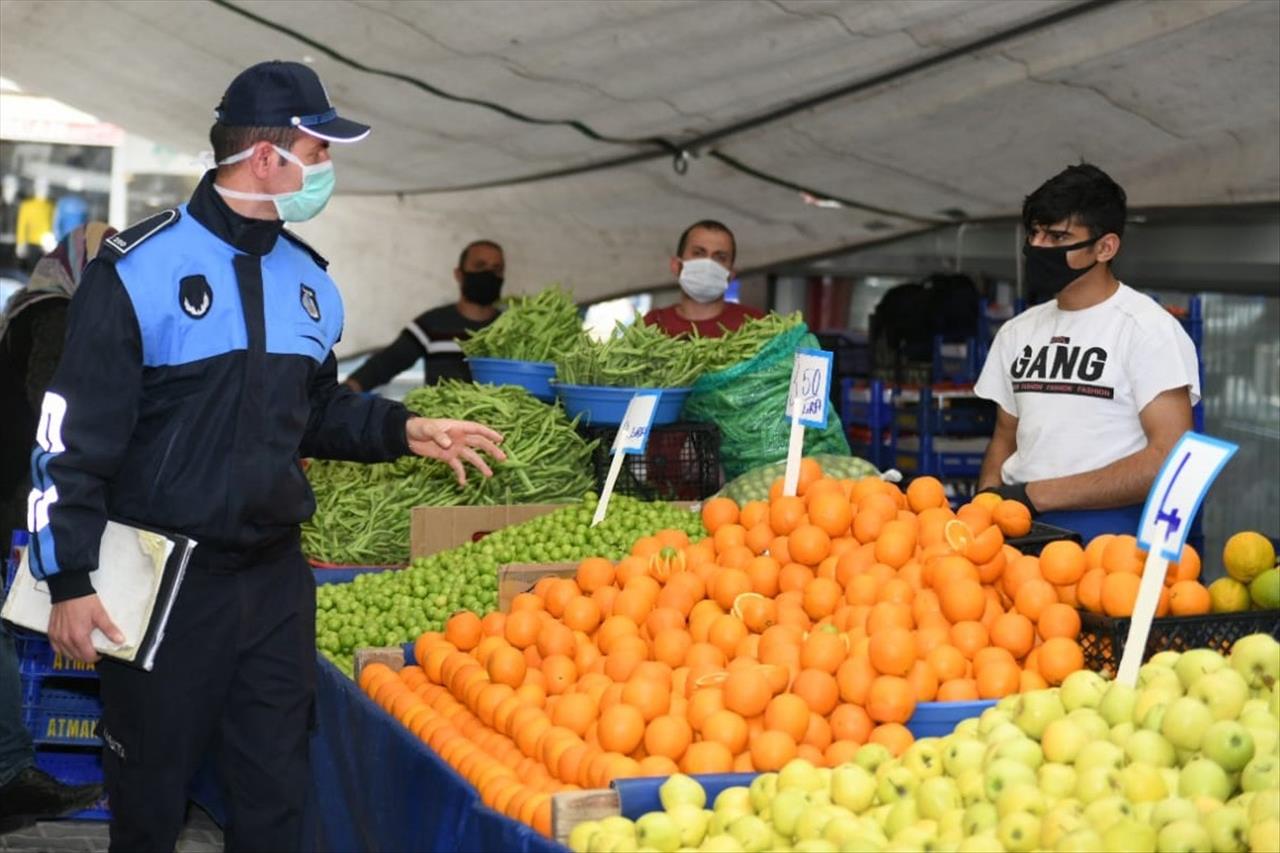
<point>438,528</point>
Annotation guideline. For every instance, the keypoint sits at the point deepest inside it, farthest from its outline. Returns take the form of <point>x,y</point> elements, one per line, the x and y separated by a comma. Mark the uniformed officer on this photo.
<point>199,367</point>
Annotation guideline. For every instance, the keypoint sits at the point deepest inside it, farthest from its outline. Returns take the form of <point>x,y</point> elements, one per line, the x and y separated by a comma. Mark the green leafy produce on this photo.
<point>362,511</point>
<point>640,356</point>
<point>394,607</point>
<point>532,328</point>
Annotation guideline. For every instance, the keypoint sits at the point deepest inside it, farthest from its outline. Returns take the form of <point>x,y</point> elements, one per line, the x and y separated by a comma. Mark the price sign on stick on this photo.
<point>807,404</point>
<point>632,438</point>
<point>1175,497</point>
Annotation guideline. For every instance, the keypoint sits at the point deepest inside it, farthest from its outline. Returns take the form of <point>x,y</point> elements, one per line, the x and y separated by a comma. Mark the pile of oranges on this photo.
<point>1113,569</point>
<point>802,626</point>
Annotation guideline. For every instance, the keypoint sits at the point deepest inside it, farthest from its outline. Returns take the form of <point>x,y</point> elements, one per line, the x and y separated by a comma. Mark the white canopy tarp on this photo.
<point>950,109</point>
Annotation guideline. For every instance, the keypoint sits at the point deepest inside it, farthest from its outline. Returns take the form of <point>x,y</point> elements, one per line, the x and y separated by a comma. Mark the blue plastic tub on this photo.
<point>533,376</point>
<point>939,719</point>
<point>603,406</point>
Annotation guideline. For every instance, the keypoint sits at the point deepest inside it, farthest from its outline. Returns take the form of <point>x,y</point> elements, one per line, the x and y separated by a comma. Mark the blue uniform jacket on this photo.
<point>198,370</point>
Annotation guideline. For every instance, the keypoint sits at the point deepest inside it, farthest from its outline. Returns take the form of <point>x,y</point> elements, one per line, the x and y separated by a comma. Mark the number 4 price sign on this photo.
<point>1175,497</point>
<point>632,438</point>
<point>807,405</point>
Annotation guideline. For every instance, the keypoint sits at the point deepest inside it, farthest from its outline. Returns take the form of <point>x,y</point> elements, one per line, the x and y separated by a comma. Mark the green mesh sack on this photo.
<point>754,485</point>
<point>748,403</point>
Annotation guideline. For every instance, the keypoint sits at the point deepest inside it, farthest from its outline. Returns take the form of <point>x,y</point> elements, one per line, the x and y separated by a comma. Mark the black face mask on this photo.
<point>482,288</point>
<point>1047,271</point>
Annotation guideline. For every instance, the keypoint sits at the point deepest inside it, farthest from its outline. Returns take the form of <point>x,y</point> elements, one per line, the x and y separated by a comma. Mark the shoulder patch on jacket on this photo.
<point>118,245</point>
<point>320,259</point>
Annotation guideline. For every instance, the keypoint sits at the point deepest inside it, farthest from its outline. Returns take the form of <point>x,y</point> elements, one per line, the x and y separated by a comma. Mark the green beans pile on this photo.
<point>532,328</point>
<point>362,511</point>
<point>394,607</point>
<point>640,356</point>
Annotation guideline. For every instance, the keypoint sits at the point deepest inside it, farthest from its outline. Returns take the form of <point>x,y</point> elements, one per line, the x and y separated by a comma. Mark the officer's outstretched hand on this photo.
<point>454,441</point>
<point>71,625</point>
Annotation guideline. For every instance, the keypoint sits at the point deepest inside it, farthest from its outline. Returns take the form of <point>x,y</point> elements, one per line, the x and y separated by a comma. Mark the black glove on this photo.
<point>1016,492</point>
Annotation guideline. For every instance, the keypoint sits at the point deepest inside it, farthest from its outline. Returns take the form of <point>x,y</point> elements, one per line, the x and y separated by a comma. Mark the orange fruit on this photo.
<point>947,662</point>
<point>892,651</point>
<point>1058,620</point>
<point>998,679</point>
<point>506,666</point>
<point>925,493</point>
<point>969,637</point>
<point>1121,554</point>
<point>787,713</point>
<point>706,756</point>
<point>620,728</point>
<point>824,650</point>
<point>808,544</point>
<point>1062,562</point>
<point>890,699</point>
<point>463,630</point>
<point>522,628</point>
<point>1033,597</point>
<point>746,692</point>
<point>652,699</point>
<point>850,722</point>
<point>668,736</point>
<point>958,690</point>
<point>821,597</point>
<point>753,512</point>
<point>818,689</point>
<point>893,736</point>
<point>854,677</point>
<point>717,512</point>
<point>896,543</point>
<point>727,728</point>
<point>1058,658</point>
<point>772,749</point>
<point>963,601</point>
<point>1089,589</point>
<point>786,514</point>
<point>1094,550</point>
<point>1014,632</point>
<point>1186,569</point>
<point>831,512</point>
<point>1119,592</point>
<point>975,516</point>
<point>575,712</point>
<point>923,680</point>
<point>1188,598</point>
<point>1012,517</point>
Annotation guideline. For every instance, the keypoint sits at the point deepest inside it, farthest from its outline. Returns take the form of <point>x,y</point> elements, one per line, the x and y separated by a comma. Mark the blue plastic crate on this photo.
<point>37,658</point>
<point>61,712</point>
<point>76,767</point>
<point>939,719</point>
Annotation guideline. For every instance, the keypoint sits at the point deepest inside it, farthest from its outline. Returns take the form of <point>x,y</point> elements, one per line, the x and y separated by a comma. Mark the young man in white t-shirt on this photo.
<point>1094,385</point>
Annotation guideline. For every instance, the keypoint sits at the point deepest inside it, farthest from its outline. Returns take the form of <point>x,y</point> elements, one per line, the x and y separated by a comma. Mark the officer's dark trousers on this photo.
<point>235,674</point>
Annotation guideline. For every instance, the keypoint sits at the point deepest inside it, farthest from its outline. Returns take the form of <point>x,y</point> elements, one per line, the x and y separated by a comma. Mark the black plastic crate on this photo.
<point>1041,535</point>
<point>681,462</point>
<point>1103,637</point>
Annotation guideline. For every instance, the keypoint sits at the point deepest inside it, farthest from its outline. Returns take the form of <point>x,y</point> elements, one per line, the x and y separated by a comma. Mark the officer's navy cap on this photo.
<point>285,94</point>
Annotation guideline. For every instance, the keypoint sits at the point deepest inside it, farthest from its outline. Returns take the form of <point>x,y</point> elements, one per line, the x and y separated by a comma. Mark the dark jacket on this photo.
<point>432,335</point>
<point>198,369</point>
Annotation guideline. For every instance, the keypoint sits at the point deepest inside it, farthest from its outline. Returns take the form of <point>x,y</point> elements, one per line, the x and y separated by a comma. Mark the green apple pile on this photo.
<point>1186,762</point>
<point>393,607</point>
<point>1253,577</point>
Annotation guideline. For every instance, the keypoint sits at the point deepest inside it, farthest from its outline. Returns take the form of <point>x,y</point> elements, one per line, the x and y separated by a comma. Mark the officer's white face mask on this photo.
<point>299,205</point>
<point>703,280</point>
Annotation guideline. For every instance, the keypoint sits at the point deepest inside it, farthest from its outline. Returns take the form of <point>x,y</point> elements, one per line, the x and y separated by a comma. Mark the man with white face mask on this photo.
<point>703,265</point>
<point>198,370</point>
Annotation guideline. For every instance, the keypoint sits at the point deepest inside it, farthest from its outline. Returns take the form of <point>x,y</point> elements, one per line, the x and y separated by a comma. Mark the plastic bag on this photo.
<point>754,485</point>
<point>748,403</point>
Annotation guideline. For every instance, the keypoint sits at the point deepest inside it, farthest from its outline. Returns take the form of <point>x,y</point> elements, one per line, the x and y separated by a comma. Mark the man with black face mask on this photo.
<point>432,335</point>
<point>1095,384</point>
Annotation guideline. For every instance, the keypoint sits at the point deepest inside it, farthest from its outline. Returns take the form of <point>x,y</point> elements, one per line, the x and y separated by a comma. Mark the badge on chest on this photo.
<point>195,296</point>
<point>309,303</point>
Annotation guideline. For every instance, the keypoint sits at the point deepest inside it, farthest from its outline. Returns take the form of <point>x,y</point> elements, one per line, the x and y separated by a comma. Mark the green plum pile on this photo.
<point>362,511</point>
<point>394,607</point>
<point>1185,762</point>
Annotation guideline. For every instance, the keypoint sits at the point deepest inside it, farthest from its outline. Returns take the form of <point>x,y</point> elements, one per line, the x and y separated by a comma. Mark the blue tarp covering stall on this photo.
<point>374,786</point>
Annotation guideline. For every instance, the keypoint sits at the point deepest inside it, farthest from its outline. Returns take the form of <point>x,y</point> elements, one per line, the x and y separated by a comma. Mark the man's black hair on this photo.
<point>462,258</point>
<point>227,141</point>
<point>710,225</point>
<point>1082,193</point>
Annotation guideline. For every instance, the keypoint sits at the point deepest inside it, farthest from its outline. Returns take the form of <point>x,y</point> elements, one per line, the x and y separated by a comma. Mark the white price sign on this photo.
<point>810,394</point>
<point>1172,503</point>
<point>1178,491</point>
<point>633,432</point>
<point>632,438</point>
